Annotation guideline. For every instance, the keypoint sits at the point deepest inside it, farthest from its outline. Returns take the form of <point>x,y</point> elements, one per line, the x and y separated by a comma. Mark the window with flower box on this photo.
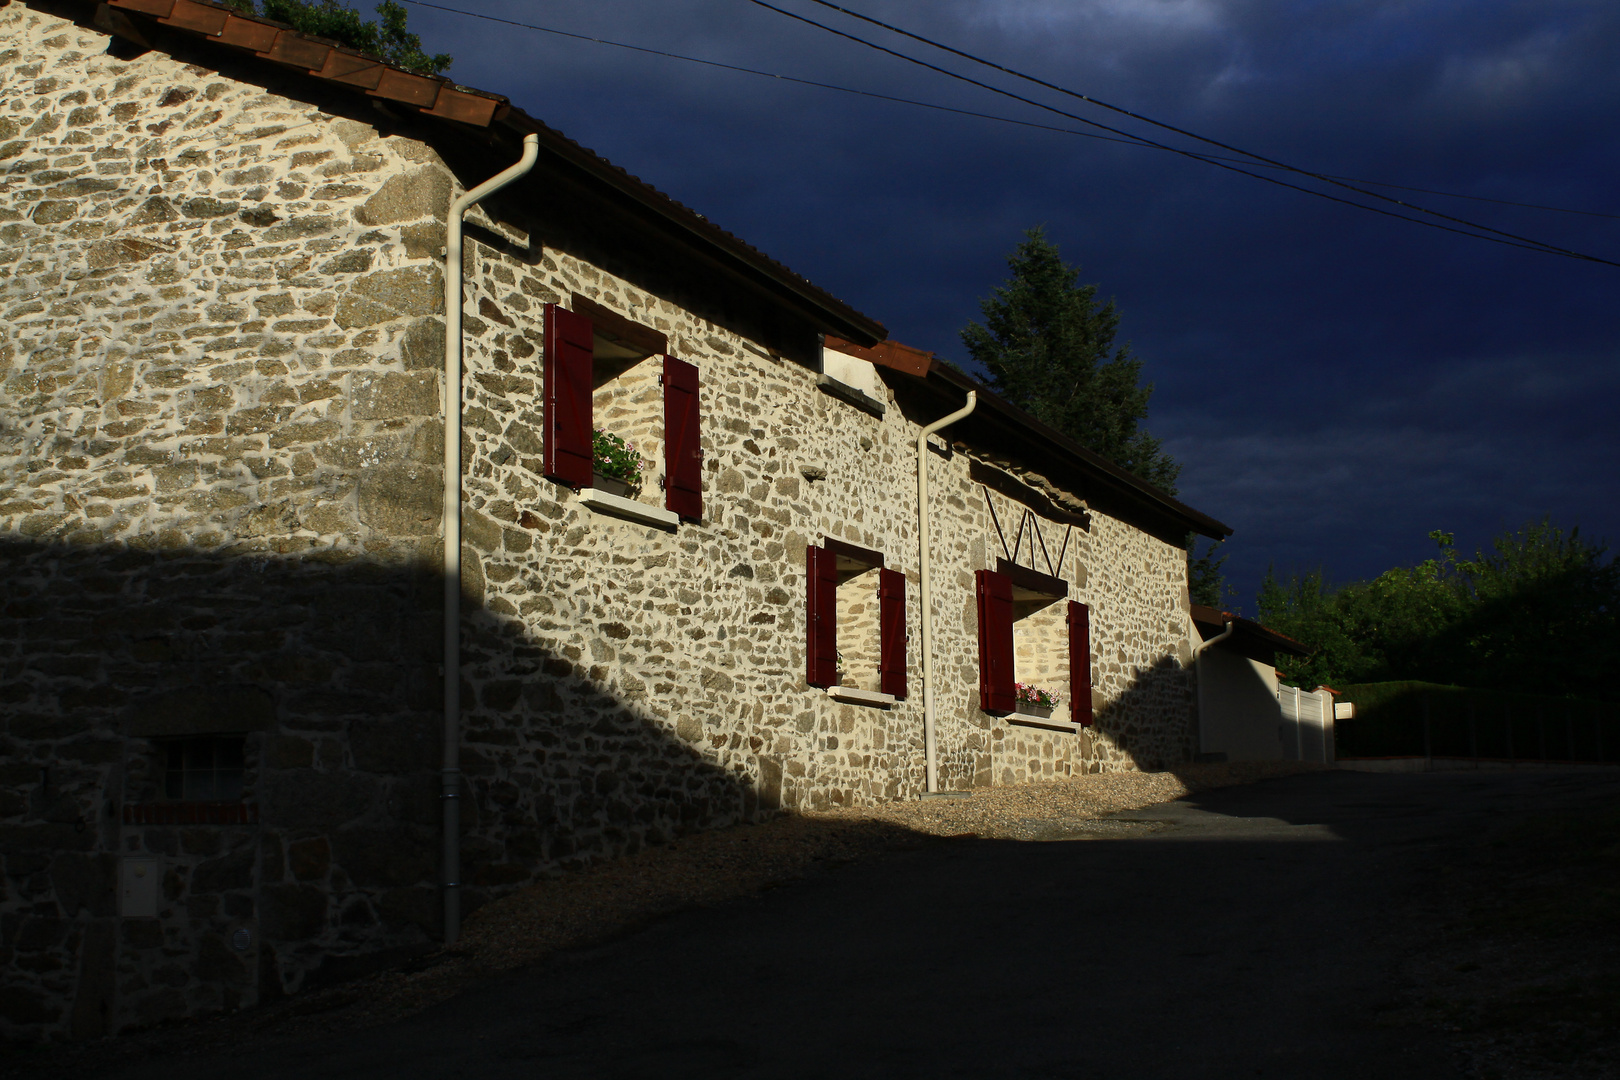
<point>619,410</point>
<point>856,624</point>
<point>1034,643</point>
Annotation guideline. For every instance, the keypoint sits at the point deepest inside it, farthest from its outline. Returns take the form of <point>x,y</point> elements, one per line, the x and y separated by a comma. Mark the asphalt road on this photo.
<point>1245,932</point>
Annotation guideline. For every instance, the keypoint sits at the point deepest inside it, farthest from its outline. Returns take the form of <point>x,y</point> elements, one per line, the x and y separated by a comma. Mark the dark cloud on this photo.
<point>1337,383</point>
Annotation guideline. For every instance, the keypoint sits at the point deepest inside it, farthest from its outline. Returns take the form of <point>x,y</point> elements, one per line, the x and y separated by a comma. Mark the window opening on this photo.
<point>627,403</point>
<point>621,414</point>
<point>209,768</point>
<point>1040,646</point>
<point>852,378</point>
<point>1034,646</point>
<point>857,620</point>
<point>859,650</point>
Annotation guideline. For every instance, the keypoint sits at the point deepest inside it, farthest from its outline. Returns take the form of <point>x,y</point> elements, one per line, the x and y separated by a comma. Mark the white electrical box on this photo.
<point>139,878</point>
<point>1344,710</point>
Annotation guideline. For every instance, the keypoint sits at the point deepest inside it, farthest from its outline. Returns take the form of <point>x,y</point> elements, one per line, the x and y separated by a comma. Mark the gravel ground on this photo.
<point>617,897</point>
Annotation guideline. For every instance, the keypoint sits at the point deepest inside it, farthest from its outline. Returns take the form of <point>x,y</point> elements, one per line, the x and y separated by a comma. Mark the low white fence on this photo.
<point>1307,724</point>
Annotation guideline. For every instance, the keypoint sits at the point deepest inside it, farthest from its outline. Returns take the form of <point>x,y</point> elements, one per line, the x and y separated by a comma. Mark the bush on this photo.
<point>1462,722</point>
<point>387,39</point>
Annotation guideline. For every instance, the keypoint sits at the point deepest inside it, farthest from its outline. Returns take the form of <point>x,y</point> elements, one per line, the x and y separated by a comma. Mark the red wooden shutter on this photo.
<point>997,693</point>
<point>683,449</point>
<point>566,368</point>
<point>892,632</point>
<point>821,616</point>
<point>1079,663</point>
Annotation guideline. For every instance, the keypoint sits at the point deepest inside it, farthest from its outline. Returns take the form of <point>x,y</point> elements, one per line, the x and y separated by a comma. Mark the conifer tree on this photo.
<point>1049,348</point>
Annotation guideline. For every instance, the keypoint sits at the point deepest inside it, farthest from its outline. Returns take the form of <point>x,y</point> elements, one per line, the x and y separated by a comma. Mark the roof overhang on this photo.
<point>1104,485</point>
<point>1248,637</point>
<point>168,25</point>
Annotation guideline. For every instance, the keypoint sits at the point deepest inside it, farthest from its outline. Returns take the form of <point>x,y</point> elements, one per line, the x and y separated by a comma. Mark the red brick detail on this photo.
<point>352,69</point>
<point>411,89</point>
<point>203,18</point>
<point>468,108</point>
<point>159,8</point>
<point>297,51</point>
<point>191,813</point>
<point>248,34</point>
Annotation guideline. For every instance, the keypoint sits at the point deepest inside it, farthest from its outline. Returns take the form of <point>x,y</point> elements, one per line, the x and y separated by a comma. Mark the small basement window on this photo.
<point>856,622</point>
<point>613,396</point>
<point>206,768</point>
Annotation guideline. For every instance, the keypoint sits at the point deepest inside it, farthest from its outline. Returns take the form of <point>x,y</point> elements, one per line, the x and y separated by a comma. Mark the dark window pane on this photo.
<point>207,769</point>
<point>228,753</point>
<point>228,785</point>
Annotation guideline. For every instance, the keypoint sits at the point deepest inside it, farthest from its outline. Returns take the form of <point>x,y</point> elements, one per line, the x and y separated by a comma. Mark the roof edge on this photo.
<point>434,96</point>
<point>925,365</point>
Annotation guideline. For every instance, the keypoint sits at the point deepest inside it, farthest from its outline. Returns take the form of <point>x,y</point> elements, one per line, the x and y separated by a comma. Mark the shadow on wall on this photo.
<point>324,671</point>
<point>1150,726</point>
<point>1152,722</point>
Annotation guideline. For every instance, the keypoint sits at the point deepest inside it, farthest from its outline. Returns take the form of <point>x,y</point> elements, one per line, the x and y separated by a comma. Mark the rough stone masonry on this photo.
<point>221,427</point>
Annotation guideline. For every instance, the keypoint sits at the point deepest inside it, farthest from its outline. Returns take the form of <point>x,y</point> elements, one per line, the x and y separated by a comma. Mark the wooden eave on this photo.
<point>998,425</point>
<point>1249,638</point>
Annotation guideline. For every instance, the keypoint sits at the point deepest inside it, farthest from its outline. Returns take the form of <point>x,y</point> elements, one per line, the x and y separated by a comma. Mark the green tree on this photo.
<point>1536,614</point>
<point>1049,348</point>
<point>387,38</point>
<point>1206,583</point>
<point>1310,610</point>
<point>1544,608</point>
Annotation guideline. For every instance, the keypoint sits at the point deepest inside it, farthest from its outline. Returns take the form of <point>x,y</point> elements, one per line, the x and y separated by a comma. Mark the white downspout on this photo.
<point>1198,674</point>
<point>451,771</point>
<point>929,749</point>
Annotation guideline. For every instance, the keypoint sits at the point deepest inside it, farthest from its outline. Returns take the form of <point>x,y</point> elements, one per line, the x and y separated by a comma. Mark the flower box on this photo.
<point>1031,700</point>
<point>612,485</point>
<point>616,468</point>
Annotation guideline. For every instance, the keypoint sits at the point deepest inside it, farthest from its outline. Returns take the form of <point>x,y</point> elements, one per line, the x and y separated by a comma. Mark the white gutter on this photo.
<point>451,771</point>
<point>1198,674</point>
<point>929,749</point>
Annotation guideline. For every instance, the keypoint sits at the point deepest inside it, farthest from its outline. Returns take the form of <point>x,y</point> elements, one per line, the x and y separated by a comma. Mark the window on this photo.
<point>850,377</point>
<point>207,768</point>
<point>600,368</point>
<point>856,624</point>
<point>1030,632</point>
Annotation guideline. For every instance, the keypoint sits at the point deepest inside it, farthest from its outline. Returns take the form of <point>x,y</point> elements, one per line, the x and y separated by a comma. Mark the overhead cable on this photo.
<point>1248,154</point>
<point>1510,239</point>
<point>1118,136</point>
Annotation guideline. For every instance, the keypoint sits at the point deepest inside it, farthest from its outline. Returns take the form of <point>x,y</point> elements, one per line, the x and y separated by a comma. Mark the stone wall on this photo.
<point>220,431</point>
<point>220,442</point>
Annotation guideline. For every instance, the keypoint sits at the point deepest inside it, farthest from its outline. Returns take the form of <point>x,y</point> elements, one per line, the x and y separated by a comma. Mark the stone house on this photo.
<point>223,367</point>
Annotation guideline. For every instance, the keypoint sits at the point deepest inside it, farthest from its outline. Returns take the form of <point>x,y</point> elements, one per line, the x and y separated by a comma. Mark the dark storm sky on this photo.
<point>1335,383</point>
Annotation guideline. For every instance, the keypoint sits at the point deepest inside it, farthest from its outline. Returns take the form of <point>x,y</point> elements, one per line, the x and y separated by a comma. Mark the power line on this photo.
<point>1476,198</point>
<point>1124,138</point>
<point>1511,239</point>
<point>1129,140</point>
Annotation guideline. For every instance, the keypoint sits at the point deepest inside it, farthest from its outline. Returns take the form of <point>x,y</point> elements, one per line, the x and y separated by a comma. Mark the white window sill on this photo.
<point>619,506</point>
<point>852,394</point>
<point>860,697</point>
<point>1043,721</point>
